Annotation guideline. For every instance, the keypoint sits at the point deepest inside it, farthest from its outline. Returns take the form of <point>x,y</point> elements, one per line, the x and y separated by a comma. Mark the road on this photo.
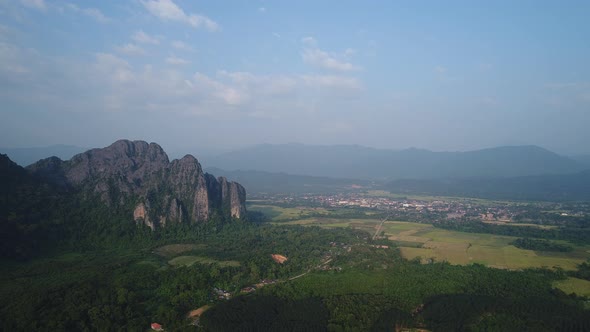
<point>380,226</point>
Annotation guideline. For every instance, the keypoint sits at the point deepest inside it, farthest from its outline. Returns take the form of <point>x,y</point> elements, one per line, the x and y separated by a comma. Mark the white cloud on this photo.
<point>35,4</point>
<point>316,57</point>
<point>113,68</point>
<point>276,34</point>
<point>319,58</point>
<point>110,83</point>
<point>172,60</point>
<point>179,45</point>
<point>230,95</point>
<point>95,13</point>
<point>309,41</point>
<point>131,49</point>
<point>262,9</point>
<point>167,10</point>
<point>144,38</point>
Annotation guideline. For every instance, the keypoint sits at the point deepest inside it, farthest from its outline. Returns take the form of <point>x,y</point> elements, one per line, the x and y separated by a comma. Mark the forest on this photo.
<point>128,287</point>
<point>541,245</point>
<point>579,235</point>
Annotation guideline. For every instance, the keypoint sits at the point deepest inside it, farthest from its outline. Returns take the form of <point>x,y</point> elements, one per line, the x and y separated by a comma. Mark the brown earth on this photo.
<point>279,258</point>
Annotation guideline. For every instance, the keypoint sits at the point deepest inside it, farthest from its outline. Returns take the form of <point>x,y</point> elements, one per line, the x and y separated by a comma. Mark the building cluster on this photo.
<point>446,208</point>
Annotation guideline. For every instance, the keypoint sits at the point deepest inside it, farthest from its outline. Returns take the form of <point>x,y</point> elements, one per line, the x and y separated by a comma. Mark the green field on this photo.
<point>430,198</point>
<point>574,285</point>
<point>277,213</point>
<point>368,225</point>
<point>426,242</point>
<point>190,260</point>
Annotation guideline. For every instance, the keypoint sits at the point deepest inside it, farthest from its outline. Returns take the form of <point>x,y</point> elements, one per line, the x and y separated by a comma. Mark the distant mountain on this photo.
<point>345,161</point>
<point>555,187</point>
<point>583,159</point>
<point>27,156</point>
<point>266,182</point>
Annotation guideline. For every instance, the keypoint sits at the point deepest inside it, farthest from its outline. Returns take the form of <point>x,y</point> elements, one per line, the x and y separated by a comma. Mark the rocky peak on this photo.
<point>166,192</point>
<point>232,193</point>
<point>135,159</point>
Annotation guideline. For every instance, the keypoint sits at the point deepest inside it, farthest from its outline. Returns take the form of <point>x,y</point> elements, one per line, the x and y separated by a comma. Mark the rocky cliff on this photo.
<point>140,175</point>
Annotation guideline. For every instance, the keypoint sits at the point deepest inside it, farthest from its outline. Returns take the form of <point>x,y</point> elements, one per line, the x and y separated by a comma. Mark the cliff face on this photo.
<point>139,174</point>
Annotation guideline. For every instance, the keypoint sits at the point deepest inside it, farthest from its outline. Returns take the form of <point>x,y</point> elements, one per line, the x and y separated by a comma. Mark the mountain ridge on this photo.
<point>357,162</point>
<point>140,173</point>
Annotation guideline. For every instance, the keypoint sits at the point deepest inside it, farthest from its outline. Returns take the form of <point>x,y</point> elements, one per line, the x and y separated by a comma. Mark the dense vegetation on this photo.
<point>127,288</point>
<point>390,293</point>
<point>541,245</point>
<point>583,271</point>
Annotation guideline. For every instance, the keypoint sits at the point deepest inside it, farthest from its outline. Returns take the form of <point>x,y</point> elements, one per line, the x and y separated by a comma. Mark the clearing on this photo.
<point>190,260</point>
<point>279,258</point>
<point>574,285</point>
<point>172,250</point>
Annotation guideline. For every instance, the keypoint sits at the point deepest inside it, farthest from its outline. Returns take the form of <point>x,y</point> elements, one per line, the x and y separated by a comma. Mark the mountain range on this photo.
<point>356,162</point>
<point>551,187</point>
<point>267,182</point>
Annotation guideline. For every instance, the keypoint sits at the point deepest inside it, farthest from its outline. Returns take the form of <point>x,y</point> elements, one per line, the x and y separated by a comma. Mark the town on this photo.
<point>433,209</point>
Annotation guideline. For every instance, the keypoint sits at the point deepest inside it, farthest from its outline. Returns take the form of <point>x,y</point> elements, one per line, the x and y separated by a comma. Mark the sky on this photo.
<point>439,75</point>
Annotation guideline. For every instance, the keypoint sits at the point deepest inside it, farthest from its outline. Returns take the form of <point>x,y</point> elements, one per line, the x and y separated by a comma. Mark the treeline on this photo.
<point>575,235</point>
<point>540,245</point>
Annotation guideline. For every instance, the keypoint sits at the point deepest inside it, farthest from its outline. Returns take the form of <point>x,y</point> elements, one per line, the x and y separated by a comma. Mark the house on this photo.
<point>249,289</point>
<point>157,327</point>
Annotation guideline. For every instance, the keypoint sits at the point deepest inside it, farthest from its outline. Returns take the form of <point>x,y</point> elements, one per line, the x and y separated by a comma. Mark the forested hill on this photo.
<point>345,161</point>
<point>556,187</point>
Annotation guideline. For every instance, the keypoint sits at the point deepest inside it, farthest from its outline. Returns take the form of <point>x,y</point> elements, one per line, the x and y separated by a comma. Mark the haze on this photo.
<point>455,75</point>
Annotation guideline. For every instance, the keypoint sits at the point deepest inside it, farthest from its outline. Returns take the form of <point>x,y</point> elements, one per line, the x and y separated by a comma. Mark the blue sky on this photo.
<point>440,75</point>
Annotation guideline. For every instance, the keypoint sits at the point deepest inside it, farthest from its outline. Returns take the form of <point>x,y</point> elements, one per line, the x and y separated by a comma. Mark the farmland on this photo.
<point>190,260</point>
<point>428,243</point>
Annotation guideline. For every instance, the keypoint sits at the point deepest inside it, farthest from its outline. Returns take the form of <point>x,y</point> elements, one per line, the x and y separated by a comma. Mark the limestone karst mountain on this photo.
<point>140,175</point>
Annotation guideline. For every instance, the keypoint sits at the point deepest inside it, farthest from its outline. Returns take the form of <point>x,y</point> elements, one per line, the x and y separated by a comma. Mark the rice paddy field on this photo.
<point>277,213</point>
<point>428,243</point>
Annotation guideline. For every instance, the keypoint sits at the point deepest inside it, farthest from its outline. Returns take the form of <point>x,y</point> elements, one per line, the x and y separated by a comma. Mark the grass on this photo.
<point>277,213</point>
<point>574,285</point>
<point>520,224</point>
<point>190,260</point>
<point>368,225</point>
<point>425,241</point>
<point>430,198</point>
